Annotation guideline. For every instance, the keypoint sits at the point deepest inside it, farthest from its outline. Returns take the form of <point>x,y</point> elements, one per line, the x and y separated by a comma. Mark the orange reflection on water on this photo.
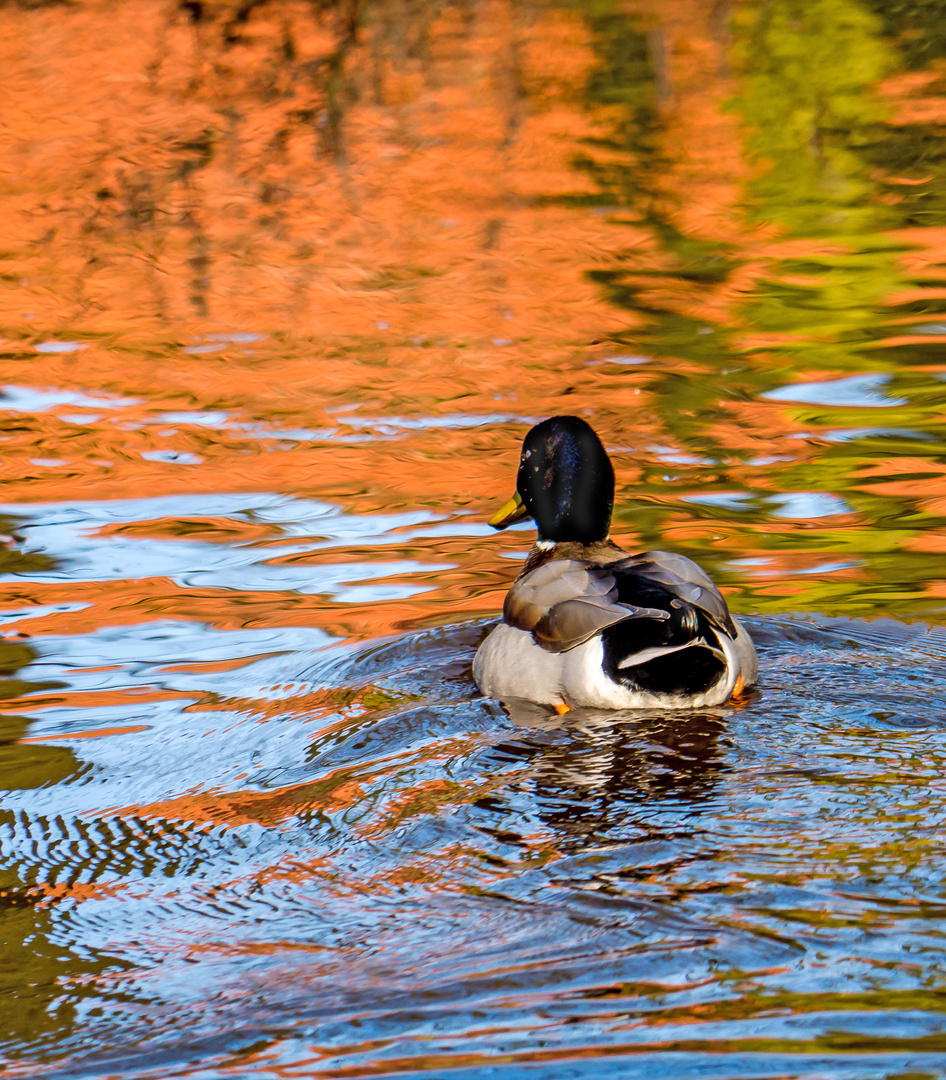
<point>414,237</point>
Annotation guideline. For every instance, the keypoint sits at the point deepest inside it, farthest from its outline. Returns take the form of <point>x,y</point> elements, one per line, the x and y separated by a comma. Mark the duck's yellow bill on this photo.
<point>509,513</point>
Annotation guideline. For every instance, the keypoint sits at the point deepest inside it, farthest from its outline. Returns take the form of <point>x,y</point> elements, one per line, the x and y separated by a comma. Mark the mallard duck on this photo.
<point>586,623</point>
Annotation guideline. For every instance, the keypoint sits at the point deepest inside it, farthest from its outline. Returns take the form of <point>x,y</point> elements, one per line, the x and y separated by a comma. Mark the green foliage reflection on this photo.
<point>808,77</point>
<point>821,269</point>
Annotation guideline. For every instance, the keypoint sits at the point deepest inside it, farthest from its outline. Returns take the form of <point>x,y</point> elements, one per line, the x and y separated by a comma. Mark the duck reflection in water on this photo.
<point>589,769</point>
<point>586,624</point>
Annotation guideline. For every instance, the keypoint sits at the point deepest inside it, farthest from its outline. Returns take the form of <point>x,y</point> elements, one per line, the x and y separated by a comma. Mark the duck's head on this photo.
<point>565,483</point>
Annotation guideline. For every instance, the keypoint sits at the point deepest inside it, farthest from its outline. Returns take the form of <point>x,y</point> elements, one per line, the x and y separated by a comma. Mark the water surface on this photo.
<point>281,289</point>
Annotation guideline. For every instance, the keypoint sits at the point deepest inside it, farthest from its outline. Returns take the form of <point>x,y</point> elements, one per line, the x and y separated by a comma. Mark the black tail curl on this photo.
<point>689,671</point>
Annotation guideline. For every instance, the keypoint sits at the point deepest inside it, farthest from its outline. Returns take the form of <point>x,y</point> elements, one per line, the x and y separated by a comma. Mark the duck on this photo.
<point>586,624</point>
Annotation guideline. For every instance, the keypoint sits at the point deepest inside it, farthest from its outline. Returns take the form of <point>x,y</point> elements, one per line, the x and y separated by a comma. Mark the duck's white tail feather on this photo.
<point>644,656</point>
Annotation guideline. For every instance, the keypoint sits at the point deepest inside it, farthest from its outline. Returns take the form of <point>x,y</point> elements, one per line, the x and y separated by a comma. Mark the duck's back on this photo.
<point>615,631</point>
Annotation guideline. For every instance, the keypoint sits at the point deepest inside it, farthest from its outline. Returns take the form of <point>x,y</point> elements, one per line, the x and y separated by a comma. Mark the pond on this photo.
<point>282,286</point>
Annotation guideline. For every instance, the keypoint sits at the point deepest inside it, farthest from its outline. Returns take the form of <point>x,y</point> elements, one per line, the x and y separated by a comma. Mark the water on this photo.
<point>281,288</point>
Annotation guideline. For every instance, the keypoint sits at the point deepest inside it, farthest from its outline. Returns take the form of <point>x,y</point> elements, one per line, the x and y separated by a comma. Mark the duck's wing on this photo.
<point>680,576</point>
<point>564,602</point>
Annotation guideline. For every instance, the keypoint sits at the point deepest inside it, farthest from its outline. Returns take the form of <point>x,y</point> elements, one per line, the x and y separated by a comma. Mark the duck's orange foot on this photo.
<point>562,708</point>
<point>740,695</point>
